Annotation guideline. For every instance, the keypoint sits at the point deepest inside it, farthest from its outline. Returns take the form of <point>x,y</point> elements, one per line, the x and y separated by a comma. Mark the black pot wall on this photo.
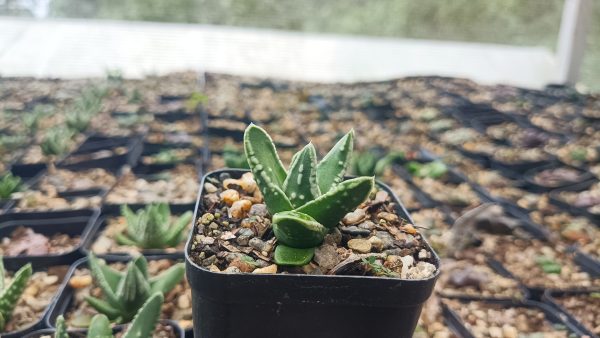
<point>234,305</point>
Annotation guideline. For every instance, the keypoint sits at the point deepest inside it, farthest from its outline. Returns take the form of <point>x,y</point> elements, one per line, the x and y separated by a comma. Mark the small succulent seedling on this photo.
<point>142,325</point>
<point>56,141</point>
<point>11,142</point>
<point>369,164</point>
<point>309,198</point>
<point>234,158</point>
<point>125,292</point>
<point>9,184</point>
<point>78,120</point>
<point>433,169</point>
<point>151,227</point>
<point>32,119</point>
<point>194,101</point>
<point>166,156</point>
<point>9,295</point>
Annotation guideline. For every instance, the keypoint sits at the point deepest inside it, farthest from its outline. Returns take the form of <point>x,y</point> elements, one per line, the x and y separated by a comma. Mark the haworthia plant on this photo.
<point>151,227</point>
<point>124,292</point>
<point>308,199</point>
<point>9,295</point>
<point>9,184</point>
<point>143,323</point>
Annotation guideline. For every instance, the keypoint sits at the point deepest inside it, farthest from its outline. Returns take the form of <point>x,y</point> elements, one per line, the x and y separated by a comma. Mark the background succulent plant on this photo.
<point>151,227</point>
<point>433,169</point>
<point>307,200</point>
<point>56,141</point>
<point>234,158</point>
<point>142,325</point>
<point>10,294</point>
<point>9,184</point>
<point>125,292</point>
<point>370,163</point>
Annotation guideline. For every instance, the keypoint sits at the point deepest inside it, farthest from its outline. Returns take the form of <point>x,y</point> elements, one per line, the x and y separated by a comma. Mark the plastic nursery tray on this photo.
<point>177,330</point>
<point>73,223</point>
<point>550,299</point>
<point>529,183</point>
<point>41,322</point>
<point>176,209</point>
<point>555,199</point>
<point>591,264</point>
<point>101,143</point>
<point>223,307</point>
<point>66,293</point>
<point>456,324</point>
<point>67,195</point>
<point>176,115</point>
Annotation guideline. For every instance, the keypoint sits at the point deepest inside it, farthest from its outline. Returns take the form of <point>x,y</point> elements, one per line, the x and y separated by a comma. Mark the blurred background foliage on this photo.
<point>515,22</point>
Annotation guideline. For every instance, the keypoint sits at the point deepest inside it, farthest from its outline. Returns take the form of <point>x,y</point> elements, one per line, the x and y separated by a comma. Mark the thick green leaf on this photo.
<point>61,328</point>
<point>285,255</point>
<point>100,327</point>
<point>98,272</point>
<point>300,186</point>
<point>167,280</point>
<point>262,156</point>
<point>103,307</point>
<point>331,207</point>
<point>174,234</point>
<point>298,230</point>
<point>268,171</point>
<point>11,294</point>
<point>145,320</point>
<point>331,169</point>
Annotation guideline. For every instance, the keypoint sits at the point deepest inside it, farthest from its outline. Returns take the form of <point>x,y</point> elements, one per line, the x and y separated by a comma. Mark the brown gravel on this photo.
<point>491,320</point>
<point>584,308</point>
<point>24,241</point>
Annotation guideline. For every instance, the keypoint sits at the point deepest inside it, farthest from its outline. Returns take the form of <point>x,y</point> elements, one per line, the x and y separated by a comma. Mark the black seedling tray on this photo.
<point>176,209</point>
<point>550,299</point>
<point>589,263</point>
<point>27,170</point>
<point>455,322</point>
<point>113,162</point>
<point>530,184</point>
<point>175,115</point>
<point>41,322</point>
<point>66,293</point>
<point>67,195</point>
<point>555,199</point>
<point>177,330</point>
<point>80,225</point>
<point>516,170</point>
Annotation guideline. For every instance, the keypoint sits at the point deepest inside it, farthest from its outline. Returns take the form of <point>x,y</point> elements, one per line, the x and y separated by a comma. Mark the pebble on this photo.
<point>267,269</point>
<point>207,218</point>
<point>388,216</point>
<point>495,332</point>
<point>360,245</point>
<point>509,331</point>
<point>229,196</point>
<point>353,230</point>
<point>258,210</point>
<point>377,243</point>
<point>79,282</point>
<point>242,265</point>
<point>243,236</point>
<point>210,188</point>
<point>407,262</point>
<point>259,245</point>
<point>239,209</point>
<point>232,269</point>
<point>386,238</point>
<point>334,237</point>
<point>354,217</point>
<point>381,196</point>
<point>367,225</point>
<point>204,240</point>
<point>183,302</point>
<point>421,271</point>
<point>424,254</point>
<point>326,256</point>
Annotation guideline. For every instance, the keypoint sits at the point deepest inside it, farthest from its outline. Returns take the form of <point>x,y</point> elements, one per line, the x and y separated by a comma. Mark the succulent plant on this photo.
<point>310,198</point>
<point>9,295</point>
<point>78,120</point>
<point>9,184</point>
<point>142,325</point>
<point>151,228</point>
<point>125,292</point>
<point>234,158</point>
<point>434,169</point>
<point>370,164</point>
<point>166,156</point>
<point>195,100</point>
<point>56,141</point>
<point>11,142</point>
<point>31,120</point>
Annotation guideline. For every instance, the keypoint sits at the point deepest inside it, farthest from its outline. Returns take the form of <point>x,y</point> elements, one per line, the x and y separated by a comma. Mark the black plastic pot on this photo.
<point>531,185</point>
<point>39,323</point>
<point>457,325</point>
<point>27,170</point>
<point>550,299</point>
<point>67,293</point>
<point>174,116</point>
<point>176,209</point>
<point>78,224</point>
<point>589,263</point>
<point>178,331</point>
<point>234,305</point>
<point>67,195</point>
<point>113,162</point>
<point>516,170</point>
